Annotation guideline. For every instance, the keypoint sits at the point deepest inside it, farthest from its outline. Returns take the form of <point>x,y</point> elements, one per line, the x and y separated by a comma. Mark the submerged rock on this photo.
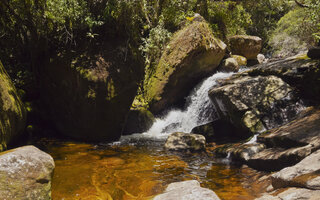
<point>25,173</point>
<point>187,190</point>
<point>12,111</point>
<point>245,45</point>
<point>190,56</point>
<point>255,104</point>
<point>185,141</point>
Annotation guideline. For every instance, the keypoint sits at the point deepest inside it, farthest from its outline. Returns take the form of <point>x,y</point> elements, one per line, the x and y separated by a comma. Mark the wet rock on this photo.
<point>25,173</point>
<point>218,131</point>
<point>242,61</point>
<point>304,174</point>
<point>245,45</point>
<point>187,190</point>
<point>314,53</point>
<point>190,56</point>
<point>138,121</point>
<point>293,194</point>
<point>12,111</point>
<point>185,141</point>
<point>255,104</point>
<point>229,65</point>
<point>87,94</point>
<point>297,71</point>
<point>290,143</point>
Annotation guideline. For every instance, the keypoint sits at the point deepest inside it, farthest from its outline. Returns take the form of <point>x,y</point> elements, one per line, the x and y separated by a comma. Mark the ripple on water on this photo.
<point>85,171</point>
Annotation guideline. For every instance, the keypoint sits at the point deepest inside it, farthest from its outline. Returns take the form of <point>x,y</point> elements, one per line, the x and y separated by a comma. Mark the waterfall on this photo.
<point>198,110</point>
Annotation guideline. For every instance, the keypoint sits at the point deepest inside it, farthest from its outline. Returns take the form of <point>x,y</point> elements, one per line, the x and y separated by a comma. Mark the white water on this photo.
<point>199,110</point>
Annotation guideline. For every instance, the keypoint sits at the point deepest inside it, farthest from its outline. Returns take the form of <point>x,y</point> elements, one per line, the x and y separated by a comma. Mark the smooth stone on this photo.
<point>185,141</point>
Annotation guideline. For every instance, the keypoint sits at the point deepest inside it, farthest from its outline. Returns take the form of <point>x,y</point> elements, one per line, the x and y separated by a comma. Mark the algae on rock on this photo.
<point>13,113</point>
<point>192,53</point>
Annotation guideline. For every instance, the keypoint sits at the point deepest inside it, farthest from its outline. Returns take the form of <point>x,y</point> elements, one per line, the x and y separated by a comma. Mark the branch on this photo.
<point>300,4</point>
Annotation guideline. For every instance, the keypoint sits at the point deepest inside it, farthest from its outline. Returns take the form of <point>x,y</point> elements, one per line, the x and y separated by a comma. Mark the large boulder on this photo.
<point>88,94</point>
<point>293,194</point>
<point>245,45</point>
<point>187,190</point>
<point>25,173</point>
<point>298,71</point>
<point>138,121</point>
<point>185,141</point>
<point>255,104</point>
<point>12,111</point>
<point>190,56</point>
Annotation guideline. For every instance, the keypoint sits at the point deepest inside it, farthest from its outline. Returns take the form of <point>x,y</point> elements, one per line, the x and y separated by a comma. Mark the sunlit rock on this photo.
<point>185,141</point>
<point>25,173</point>
<point>187,190</point>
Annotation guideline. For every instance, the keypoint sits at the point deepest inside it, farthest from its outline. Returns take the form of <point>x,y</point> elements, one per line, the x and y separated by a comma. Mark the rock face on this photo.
<point>305,174</point>
<point>229,65</point>
<point>12,111</point>
<point>192,53</point>
<point>245,45</point>
<point>187,190</point>
<point>25,173</point>
<point>138,121</point>
<point>88,95</point>
<point>299,72</point>
<point>185,141</point>
<point>255,103</point>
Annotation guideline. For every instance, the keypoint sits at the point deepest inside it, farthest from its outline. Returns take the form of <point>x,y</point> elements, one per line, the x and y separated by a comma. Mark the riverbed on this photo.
<point>126,171</point>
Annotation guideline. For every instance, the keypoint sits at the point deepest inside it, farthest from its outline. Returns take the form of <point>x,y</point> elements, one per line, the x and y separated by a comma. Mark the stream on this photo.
<point>138,167</point>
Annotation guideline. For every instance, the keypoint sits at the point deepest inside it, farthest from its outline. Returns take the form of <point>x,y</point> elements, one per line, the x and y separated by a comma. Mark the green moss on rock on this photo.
<point>13,113</point>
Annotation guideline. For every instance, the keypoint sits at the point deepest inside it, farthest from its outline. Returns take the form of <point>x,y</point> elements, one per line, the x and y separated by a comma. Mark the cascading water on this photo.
<point>199,110</point>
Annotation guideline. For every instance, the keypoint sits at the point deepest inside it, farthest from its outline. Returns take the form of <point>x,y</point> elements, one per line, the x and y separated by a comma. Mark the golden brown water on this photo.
<point>104,172</point>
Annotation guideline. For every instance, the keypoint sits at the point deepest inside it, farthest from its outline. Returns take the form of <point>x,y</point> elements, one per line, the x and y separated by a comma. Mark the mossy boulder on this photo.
<point>88,94</point>
<point>12,111</point>
<point>191,55</point>
<point>242,61</point>
<point>245,45</point>
<point>25,173</point>
<point>138,121</point>
<point>255,103</point>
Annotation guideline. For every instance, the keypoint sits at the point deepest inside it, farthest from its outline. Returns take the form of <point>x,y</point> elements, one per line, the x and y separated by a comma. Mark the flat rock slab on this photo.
<point>25,173</point>
<point>187,190</point>
<point>305,174</point>
<point>294,194</point>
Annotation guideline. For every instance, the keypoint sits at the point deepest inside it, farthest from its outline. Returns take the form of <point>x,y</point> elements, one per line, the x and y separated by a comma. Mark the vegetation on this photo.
<point>33,31</point>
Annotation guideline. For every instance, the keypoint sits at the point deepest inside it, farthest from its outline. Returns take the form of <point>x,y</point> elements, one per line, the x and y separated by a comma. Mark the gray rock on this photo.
<point>304,174</point>
<point>187,190</point>
<point>185,141</point>
<point>25,173</point>
<point>294,194</point>
<point>245,45</point>
<point>255,103</point>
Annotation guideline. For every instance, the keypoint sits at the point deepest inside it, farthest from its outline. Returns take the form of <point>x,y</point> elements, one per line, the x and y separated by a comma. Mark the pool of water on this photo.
<point>120,172</point>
